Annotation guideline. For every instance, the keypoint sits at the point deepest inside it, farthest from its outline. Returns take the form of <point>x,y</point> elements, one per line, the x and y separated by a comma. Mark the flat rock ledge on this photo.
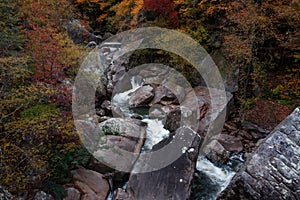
<point>273,170</point>
<point>172,182</point>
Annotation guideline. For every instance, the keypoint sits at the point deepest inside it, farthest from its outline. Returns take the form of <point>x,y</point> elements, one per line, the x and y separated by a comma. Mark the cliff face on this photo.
<point>273,171</point>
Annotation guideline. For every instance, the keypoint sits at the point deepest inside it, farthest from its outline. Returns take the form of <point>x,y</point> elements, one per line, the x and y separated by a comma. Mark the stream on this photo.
<point>209,179</point>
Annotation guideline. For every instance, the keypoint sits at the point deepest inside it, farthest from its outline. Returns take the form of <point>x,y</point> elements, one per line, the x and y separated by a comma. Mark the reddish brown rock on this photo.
<point>230,143</point>
<point>91,183</point>
<point>164,96</point>
<point>141,96</point>
<point>72,194</point>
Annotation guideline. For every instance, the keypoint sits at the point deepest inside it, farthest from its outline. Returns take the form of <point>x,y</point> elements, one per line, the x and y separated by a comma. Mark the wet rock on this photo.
<point>172,181</point>
<point>216,153</point>
<point>173,120</point>
<point>206,112</point>
<point>230,143</point>
<point>117,72</point>
<point>136,116</point>
<point>41,195</point>
<point>119,138</point>
<point>106,105</point>
<point>141,96</point>
<point>164,96</point>
<point>272,171</point>
<point>100,112</point>
<point>72,194</point>
<point>90,183</point>
<point>154,74</point>
<point>157,112</point>
<point>122,195</point>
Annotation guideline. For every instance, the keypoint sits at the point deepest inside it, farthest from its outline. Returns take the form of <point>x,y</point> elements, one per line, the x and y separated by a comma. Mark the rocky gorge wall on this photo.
<point>273,170</point>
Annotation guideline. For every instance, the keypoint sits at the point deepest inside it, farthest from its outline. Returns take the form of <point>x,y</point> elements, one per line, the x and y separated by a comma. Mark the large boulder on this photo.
<point>170,182</point>
<point>230,143</point>
<point>41,195</point>
<point>72,194</point>
<point>118,147</point>
<point>273,170</point>
<point>216,153</point>
<point>142,96</point>
<point>90,183</point>
<point>163,96</point>
<point>198,101</point>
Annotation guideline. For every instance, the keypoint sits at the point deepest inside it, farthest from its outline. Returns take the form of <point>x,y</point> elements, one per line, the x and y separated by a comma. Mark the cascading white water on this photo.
<point>217,174</point>
<point>213,179</point>
<point>155,131</point>
<point>210,180</point>
<point>121,99</point>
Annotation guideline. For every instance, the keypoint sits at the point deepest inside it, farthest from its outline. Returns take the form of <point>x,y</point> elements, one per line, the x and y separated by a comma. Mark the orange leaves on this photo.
<point>139,4</point>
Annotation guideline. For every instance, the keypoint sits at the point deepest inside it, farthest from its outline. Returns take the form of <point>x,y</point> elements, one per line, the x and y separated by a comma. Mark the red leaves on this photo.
<point>163,8</point>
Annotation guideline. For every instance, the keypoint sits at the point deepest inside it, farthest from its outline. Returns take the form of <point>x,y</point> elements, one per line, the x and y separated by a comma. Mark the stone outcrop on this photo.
<point>273,170</point>
<point>142,96</point>
<point>216,153</point>
<point>171,182</point>
<point>120,145</point>
<point>91,184</point>
<point>163,96</point>
<point>41,195</point>
<point>72,194</point>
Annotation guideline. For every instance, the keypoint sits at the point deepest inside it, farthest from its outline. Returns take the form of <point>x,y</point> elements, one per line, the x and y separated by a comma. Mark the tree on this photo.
<point>262,38</point>
<point>162,9</point>
<point>52,51</point>
<point>10,37</point>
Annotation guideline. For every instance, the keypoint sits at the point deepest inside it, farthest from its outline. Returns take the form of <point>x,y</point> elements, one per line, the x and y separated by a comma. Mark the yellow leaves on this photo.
<point>80,1</point>
<point>179,2</point>
<point>122,8</point>
<point>138,7</point>
<point>102,17</point>
<point>103,5</point>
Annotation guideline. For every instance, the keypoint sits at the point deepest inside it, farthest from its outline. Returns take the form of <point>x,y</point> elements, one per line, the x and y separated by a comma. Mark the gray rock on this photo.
<point>122,195</point>
<point>118,147</point>
<point>72,194</point>
<point>216,153</point>
<point>41,195</point>
<point>273,170</point>
<point>198,102</point>
<point>170,182</point>
<point>163,95</point>
<point>142,96</point>
<point>230,143</point>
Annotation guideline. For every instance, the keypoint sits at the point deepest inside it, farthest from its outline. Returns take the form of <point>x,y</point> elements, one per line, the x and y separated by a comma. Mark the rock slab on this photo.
<point>273,170</point>
<point>172,182</point>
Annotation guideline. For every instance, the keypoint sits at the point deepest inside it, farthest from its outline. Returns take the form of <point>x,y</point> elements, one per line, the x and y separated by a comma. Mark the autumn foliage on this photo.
<point>163,8</point>
<point>38,63</point>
